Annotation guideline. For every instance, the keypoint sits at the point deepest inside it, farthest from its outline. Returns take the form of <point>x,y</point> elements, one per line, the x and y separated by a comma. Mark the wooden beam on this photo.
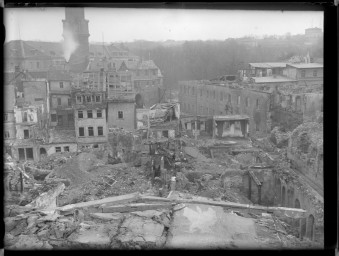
<point>107,201</point>
<point>279,211</point>
<point>137,207</point>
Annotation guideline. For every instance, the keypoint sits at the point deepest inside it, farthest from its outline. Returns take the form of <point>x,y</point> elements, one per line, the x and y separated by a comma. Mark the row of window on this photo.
<point>58,149</point>
<point>89,114</point>
<point>190,107</point>
<point>88,98</point>
<point>90,131</point>
<point>303,73</point>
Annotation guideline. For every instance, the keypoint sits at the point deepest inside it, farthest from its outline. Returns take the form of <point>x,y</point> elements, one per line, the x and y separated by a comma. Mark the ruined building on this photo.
<point>206,99</point>
<point>271,94</point>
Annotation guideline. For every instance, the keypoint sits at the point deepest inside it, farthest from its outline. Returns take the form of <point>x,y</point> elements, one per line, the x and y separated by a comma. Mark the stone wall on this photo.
<point>305,151</point>
<point>128,120</point>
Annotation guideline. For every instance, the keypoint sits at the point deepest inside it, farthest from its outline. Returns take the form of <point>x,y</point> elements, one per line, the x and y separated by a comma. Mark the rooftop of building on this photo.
<point>268,65</point>
<point>231,118</point>
<point>21,49</point>
<point>306,65</point>
<point>59,75</point>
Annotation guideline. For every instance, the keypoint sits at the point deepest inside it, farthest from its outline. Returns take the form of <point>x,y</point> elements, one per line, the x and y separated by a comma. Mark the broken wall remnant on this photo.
<point>305,150</point>
<point>261,194</point>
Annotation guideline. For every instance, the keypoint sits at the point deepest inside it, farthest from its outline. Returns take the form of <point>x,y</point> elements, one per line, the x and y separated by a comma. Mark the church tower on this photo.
<point>75,32</point>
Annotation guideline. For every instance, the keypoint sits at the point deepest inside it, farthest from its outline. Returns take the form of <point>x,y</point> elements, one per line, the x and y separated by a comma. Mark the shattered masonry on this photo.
<point>95,158</point>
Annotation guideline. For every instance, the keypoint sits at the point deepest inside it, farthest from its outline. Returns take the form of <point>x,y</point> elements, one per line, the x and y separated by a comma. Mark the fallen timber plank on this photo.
<point>279,211</point>
<point>137,207</point>
<point>109,200</point>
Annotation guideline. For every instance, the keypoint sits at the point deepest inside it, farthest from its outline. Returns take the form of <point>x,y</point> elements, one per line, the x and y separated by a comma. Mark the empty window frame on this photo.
<point>120,114</point>
<point>24,118</point>
<point>90,131</point>
<point>79,99</point>
<point>97,98</point>
<point>257,104</point>
<point>81,131</point>
<point>7,134</point>
<point>57,149</point>
<point>59,101</point>
<point>89,114</point>
<point>26,134</point>
<point>69,102</point>
<point>100,131</point>
<point>88,98</point>
<point>66,148</point>
<point>21,152</point>
<point>29,153</point>
<point>80,114</point>
<point>99,114</point>
<point>61,84</point>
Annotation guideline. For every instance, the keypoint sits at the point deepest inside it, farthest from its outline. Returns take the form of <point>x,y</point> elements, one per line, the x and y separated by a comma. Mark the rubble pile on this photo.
<point>77,169</point>
<point>279,137</point>
<point>106,181</point>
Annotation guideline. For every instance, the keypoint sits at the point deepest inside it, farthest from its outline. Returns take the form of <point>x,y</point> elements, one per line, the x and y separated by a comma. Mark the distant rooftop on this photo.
<point>306,65</point>
<point>231,118</point>
<point>268,65</point>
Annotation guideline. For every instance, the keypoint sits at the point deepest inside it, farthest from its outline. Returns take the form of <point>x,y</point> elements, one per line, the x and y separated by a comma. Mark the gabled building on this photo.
<point>19,53</point>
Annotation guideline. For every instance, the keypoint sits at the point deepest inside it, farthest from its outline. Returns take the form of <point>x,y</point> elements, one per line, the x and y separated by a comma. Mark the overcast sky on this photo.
<point>116,25</point>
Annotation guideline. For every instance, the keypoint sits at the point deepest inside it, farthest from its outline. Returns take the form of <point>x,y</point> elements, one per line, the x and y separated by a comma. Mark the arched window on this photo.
<point>310,227</point>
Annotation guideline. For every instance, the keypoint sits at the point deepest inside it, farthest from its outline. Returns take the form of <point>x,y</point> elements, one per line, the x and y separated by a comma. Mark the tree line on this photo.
<point>200,60</point>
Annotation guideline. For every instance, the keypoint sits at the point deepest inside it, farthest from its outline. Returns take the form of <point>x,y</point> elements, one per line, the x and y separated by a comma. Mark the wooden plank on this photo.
<point>136,207</point>
<point>109,200</point>
<point>280,211</point>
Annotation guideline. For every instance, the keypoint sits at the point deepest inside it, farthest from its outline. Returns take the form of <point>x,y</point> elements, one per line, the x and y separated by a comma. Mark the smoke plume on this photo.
<point>69,44</point>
